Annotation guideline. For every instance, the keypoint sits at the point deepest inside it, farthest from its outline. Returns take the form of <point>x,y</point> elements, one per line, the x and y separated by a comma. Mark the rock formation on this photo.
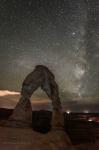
<point>56,139</point>
<point>42,77</point>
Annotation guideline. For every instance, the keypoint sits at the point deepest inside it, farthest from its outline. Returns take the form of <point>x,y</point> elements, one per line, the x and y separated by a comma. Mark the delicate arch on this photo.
<point>42,77</point>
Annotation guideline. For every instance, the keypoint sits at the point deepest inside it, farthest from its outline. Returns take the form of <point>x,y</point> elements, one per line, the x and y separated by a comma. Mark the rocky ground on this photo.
<point>27,139</point>
<point>84,136</point>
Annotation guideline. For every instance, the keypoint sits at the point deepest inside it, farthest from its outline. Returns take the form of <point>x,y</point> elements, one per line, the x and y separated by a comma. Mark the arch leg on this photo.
<point>57,116</point>
<point>23,110</point>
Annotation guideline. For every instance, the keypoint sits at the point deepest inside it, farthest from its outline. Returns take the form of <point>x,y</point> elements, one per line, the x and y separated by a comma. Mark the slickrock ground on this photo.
<point>27,139</point>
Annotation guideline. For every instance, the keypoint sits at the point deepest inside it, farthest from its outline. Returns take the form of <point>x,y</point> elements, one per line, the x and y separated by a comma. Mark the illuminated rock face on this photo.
<point>40,77</point>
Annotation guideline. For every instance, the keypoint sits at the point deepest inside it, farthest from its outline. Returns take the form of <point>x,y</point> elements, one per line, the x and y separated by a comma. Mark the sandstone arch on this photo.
<point>42,77</point>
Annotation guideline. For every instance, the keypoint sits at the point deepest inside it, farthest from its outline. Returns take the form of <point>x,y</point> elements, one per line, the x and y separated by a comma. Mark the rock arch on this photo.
<point>42,77</point>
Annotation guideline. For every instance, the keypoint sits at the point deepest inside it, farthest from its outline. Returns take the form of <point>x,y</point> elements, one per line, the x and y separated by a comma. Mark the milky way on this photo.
<point>61,34</point>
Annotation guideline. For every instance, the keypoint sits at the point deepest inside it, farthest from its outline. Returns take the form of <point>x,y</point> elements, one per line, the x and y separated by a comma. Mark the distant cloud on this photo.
<point>6,92</point>
<point>8,99</point>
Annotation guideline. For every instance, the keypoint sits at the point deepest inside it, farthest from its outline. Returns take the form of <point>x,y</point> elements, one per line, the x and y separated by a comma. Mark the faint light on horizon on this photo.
<point>86,111</point>
<point>97,121</point>
<point>68,111</point>
<point>90,120</point>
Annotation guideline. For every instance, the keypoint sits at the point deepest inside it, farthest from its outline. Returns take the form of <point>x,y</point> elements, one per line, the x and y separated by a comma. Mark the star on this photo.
<point>73,33</point>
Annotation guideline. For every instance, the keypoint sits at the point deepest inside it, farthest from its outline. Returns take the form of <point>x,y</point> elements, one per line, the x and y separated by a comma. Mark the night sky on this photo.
<point>61,34</point>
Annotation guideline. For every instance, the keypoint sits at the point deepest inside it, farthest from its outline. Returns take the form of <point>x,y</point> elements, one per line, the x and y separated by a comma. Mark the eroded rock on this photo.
<point>40,77</point>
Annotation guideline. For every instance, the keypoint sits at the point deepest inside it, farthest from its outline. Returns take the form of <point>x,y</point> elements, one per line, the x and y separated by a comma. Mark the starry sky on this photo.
<point>61,34</point>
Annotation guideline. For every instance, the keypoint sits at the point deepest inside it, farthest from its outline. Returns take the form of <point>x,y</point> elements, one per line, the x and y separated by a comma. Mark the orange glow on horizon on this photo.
<point>6,92</point>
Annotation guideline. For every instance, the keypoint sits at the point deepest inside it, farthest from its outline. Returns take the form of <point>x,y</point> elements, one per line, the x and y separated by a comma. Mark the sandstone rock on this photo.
<point>22,115</point>
<point>43,77</point>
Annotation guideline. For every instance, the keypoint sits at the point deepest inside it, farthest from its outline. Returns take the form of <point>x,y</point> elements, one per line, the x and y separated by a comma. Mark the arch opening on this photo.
<point>40,101</point>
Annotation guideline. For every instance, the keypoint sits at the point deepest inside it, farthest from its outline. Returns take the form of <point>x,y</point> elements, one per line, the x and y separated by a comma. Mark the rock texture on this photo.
<point>27,139</point>
<point>40,77</point>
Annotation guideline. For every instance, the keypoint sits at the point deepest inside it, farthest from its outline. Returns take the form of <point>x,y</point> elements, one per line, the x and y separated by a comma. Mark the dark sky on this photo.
<point>61,34</point>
